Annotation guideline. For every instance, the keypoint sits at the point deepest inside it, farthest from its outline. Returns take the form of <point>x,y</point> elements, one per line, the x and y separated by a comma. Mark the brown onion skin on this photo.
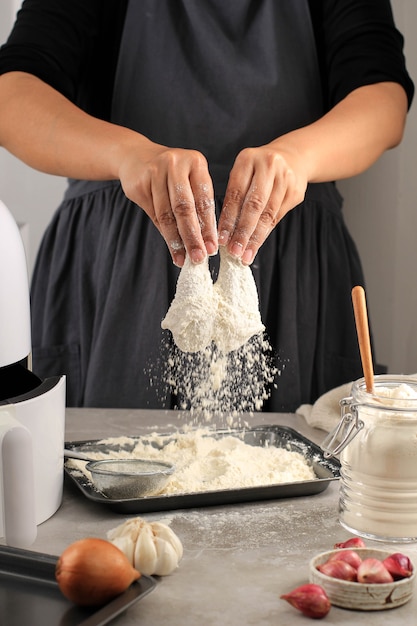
<point>92,571</point>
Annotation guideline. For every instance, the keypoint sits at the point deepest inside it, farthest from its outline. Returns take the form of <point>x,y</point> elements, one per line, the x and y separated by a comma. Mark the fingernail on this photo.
<point>211,248</point>
<point>179,259</point>
<point>236,250</point>
<point>247,256</point>
<point>224,237</point>
<point>197,255</point>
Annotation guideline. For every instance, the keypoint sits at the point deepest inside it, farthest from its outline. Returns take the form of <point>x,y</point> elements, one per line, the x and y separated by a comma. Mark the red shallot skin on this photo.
<point>373,571</point>
<point>398,565</point>
<point>310,599</point>
<point>354,542</point>
<point>338,569</point>
<point>350,556</point>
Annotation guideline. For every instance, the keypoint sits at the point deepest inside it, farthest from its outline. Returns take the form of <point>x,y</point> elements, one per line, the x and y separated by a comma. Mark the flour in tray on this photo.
<point>207,463</point>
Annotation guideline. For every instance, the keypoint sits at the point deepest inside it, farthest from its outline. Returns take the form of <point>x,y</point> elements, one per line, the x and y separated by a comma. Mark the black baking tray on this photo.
<point>30,596</point>
<point>326,470</point>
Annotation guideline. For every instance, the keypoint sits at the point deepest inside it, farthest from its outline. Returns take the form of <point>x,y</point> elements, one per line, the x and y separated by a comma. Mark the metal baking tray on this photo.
<point>30,596</point>
<point>326,470</point>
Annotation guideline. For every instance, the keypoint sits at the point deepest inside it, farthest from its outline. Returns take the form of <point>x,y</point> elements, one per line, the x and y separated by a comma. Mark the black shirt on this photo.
<point>73,46</point>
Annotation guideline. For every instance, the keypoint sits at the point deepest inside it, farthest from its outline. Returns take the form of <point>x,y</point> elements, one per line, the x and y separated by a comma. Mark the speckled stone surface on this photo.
<point>238,559</point>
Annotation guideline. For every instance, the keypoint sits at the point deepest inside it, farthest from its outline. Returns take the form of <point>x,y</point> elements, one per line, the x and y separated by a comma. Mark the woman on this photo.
<point>164,112</point>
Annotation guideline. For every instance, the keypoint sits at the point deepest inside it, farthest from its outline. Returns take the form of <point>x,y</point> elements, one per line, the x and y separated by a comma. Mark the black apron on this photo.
<point>217,77</point>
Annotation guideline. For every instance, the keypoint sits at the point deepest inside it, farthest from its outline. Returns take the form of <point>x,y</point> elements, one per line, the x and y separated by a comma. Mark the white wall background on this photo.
<point>380,209</point>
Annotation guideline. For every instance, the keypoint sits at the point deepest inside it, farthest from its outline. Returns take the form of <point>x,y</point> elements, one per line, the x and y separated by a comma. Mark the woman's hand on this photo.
<point>264,184</point>
<point>48,132</point>
<point>173,186</point>
<point>267,182</point>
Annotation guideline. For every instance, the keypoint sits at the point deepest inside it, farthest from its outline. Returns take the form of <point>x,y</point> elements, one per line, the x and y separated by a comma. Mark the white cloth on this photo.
<point>325,412</point>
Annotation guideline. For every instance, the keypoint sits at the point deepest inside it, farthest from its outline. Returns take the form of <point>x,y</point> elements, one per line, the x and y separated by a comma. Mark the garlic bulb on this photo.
<point>152,548</point>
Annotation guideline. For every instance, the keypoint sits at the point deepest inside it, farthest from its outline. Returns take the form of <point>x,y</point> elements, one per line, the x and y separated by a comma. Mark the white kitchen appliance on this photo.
<point>32,411</point>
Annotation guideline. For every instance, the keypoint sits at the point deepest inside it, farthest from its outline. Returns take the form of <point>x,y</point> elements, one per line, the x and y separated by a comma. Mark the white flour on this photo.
<point>226,313</point>
<point>205,463</point>
<point>221,361</point>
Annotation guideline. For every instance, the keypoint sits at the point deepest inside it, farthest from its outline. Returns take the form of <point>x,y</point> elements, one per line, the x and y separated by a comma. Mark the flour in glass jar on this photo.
<point>379,466</point>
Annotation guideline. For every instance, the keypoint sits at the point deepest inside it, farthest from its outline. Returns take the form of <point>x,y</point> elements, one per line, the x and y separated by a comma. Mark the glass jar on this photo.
<point>378,455</point>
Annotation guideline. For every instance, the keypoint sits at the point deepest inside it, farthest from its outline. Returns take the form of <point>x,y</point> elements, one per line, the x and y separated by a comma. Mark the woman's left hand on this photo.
<point>267,182</point>
<point>264,184</point>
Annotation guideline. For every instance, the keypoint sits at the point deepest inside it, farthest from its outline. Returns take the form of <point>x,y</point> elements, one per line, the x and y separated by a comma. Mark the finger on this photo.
<point>164,219</point>
<point>266,223</point>
<point>182,209</point>
<point>204,202</point>
<point>255,203</point>
<point>237,188</point>
<point>276,208</point>
<point>192,202</point>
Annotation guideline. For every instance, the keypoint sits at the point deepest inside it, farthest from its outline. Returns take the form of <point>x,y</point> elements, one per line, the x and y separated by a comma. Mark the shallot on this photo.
<point>338,569</point>
<point>350,556</point>
<point>373,571</point>
<point>310,599</point>
<point>91,572</point>
<point>398,565</point>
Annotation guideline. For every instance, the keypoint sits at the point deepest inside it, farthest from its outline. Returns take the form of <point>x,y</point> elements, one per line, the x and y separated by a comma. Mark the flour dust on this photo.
<point>213,383</point>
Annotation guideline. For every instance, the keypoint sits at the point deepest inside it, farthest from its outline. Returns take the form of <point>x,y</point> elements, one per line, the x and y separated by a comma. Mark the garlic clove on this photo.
<point>145,551</point>
<point>165,532</point>
<point>350,556</point>
<point>398,565</point>
<point>338,569</point>
<point>167,559</point>
<point>354,542</point>
<point>310,599</point>
<point>372,570</point>
<point>126,545</point>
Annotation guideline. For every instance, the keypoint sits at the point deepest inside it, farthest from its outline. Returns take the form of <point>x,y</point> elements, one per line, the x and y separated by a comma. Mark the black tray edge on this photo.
<point>20,565</point>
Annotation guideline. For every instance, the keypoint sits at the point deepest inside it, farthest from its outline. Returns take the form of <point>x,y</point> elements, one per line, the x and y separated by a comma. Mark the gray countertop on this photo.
<point>238,559</point>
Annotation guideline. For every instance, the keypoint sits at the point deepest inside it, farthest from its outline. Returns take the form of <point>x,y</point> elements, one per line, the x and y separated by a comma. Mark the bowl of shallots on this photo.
<point>364,579</point>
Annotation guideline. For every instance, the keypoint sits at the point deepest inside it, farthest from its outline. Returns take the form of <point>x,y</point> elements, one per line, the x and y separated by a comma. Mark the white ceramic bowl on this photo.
<point>362,596</point>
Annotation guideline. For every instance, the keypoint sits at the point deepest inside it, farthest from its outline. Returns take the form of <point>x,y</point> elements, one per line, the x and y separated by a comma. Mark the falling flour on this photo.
<point>206,463</point>
<point>221,361</point>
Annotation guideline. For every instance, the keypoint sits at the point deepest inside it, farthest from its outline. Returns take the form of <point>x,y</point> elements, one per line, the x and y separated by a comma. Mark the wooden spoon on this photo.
<point>362,329</point>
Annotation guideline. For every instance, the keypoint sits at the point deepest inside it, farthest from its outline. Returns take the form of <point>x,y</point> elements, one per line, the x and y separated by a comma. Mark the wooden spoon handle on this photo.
<point>362,329</point>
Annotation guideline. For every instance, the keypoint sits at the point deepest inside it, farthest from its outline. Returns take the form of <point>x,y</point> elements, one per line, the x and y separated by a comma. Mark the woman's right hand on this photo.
<point>173,186</point>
